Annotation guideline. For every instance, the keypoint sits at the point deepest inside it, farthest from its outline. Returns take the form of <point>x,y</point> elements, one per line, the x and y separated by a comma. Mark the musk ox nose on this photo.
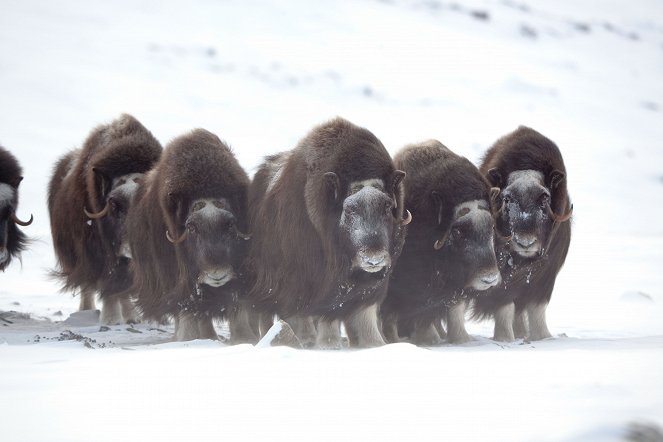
<point>372,261</point>
<point>216,277</point>
<point>525,241</point>
<point>486,280</point>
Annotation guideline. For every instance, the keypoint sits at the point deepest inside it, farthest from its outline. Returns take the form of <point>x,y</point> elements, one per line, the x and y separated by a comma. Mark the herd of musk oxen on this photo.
<point>333,232</point>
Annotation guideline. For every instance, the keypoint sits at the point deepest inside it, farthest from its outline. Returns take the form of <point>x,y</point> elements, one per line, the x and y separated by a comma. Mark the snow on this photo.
<point>585,73</point>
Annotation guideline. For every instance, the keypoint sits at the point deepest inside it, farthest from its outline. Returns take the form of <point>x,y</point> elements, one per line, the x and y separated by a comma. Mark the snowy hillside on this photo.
<point>260,74</point>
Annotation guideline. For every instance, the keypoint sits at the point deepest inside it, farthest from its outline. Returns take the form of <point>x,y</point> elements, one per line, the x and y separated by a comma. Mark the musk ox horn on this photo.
<point>19,222</point>
<point>408,219</point>
<point>97,215</point>
<point>559,218</point>
<point>440,242</point>
<point>176,240</point>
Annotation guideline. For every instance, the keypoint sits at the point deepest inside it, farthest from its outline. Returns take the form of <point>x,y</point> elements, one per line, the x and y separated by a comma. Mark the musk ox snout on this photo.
<point>371,262</point>
<point>366,226</point>
<point>216,277</point>
<point>486,279</point>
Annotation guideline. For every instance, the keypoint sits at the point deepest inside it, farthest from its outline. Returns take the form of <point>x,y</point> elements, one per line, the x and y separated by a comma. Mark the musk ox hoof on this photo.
<point>280,334</point>
<point>460,339</point>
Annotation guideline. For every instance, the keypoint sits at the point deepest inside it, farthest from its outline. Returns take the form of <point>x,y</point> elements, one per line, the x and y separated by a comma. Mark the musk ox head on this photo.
<point>525,212</point>
<point>369,215</point>
<point>12,240</point>
<point>466,251</point>
<point>118,194</point>
<point>211,240</point>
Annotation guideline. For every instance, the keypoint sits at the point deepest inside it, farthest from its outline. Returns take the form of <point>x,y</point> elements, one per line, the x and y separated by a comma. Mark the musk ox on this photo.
<point>534,214</point>
<point>186,233</point>
<point>89,195</point>
<point>327,221</point>
<point>449,254</point>
<point>12,240</point>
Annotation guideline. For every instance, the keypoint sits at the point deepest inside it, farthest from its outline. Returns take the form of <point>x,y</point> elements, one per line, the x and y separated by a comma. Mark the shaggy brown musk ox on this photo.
<point>534,213</point>
<point>327,221</point>
<point>185,234</point>
<point>89,195</point>
<point>449,254</point>
<point>12,240</point>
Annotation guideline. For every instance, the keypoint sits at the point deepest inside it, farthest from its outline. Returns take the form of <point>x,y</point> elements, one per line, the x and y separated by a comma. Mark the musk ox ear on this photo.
<point>103,181</point>
<point>556,178</point>
<point>436,198</point>
<point>333,184</point>
<point>495,177</point>
<point>15,182</point>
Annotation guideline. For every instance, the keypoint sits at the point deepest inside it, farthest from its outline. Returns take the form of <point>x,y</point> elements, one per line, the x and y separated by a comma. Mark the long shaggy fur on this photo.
<point>419,294</point>
<point>85,256</point>
<point>194,166</point>
<point>15,241</point>
<point>295,257</point>
<point>527,281</point>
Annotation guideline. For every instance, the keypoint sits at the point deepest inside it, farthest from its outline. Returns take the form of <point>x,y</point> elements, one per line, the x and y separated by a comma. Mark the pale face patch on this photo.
<point>209,208</point>
<point>127,184</point>
<point>524,178</point>
<point>7,194</point>
<point>376,183</point>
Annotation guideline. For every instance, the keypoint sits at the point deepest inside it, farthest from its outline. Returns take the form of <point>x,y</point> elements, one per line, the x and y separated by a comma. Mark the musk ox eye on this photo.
<point>191,228</point>
<point>544,199</point>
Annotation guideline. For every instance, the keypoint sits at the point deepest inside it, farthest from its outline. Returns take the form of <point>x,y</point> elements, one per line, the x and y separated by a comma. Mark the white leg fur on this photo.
<point>538,329</point>
<point>129,312</point>
<point>426,335</point>
<point>329,335</point>
<point>240,328</point>
<point>186,328</point>
<point>520,325</point>
<point>456,333</point>
<point>363,328</point>
<point>504,323</point>
<point>111,311</point>
<point>390,330</point>
<point>87,301</point>
<point>206,329</point>
<point>304,328</point>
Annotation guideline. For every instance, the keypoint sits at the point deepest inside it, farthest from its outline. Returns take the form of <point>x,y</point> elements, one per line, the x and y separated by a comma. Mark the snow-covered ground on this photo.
<point>587,73</point>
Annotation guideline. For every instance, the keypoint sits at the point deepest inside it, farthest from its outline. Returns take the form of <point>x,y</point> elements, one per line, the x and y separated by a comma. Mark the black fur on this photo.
<point>12,240</point>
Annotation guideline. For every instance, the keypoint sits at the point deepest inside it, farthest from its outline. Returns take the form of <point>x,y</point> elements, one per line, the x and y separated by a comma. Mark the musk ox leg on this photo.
<point>240,327</point>
<point>456,333</point>
<point>129,311</point>
<point>206,329</point>
<point>304,328</point>
<point>440,329</point>
<point>186,328</point>
<point>390,330</point>
<point>504,323</point>
<point>111,311</point>
<point>363,328</point>
<point>538,329</point>
<point>425,335</point>
<point>329,335</point>
<point>520,324</point>
<point>87,300</point>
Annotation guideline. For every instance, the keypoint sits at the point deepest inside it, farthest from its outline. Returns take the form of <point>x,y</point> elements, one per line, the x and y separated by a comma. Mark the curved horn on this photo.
<point>559,218</point>
<point>176,240</point>
<point>408,219</point>
<point>97,215</point>
<point>19,222</point>
<point>440,242</point>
